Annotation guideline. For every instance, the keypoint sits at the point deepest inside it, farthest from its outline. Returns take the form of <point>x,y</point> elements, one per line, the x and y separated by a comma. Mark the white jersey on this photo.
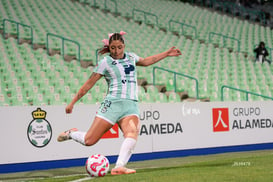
<point>121,75</point>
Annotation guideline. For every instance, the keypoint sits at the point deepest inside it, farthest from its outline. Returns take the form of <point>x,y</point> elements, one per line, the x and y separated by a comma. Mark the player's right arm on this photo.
<point>83,90</point>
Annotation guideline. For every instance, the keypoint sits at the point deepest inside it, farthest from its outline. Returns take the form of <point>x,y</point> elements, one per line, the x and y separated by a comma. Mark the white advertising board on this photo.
<point>28,134</point>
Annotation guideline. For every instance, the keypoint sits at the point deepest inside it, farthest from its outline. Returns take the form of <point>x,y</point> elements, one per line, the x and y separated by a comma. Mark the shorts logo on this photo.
<point>220,119</point>
<point>112,133</point>
<point>39,131</point>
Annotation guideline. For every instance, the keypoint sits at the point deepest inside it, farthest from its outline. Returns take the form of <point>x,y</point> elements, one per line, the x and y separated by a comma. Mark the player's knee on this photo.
<point>89,142</point>
<point>132,133</point>
<point>131,128</point>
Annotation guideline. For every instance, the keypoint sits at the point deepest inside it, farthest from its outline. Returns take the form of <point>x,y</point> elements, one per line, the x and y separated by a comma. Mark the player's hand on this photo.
<point>69,108</point>
<point>174,52</point>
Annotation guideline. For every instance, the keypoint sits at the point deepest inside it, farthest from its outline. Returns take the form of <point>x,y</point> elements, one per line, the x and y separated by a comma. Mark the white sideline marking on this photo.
<point>83,179</point>
<point>52,177</point>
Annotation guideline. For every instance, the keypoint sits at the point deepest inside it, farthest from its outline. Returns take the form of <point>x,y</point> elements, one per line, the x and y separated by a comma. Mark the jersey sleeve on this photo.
<point>134,56</point>
<point>100,67</point>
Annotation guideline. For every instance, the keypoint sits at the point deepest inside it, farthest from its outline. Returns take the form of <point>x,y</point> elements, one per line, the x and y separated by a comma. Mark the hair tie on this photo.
<point>106,41</point>
<point>122,33</point>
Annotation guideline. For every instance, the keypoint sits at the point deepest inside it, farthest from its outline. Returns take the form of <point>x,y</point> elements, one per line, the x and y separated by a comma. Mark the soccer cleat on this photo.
<point>122,170</point>
<point>66,135</point>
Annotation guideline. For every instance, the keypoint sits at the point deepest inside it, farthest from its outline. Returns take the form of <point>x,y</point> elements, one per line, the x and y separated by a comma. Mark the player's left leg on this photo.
<point>130,128</point>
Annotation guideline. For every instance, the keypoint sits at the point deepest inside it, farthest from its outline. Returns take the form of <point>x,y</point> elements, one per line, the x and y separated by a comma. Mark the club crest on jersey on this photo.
<point>128,68</point>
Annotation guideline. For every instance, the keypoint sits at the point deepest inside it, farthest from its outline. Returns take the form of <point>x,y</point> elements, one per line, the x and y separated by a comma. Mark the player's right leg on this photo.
<point>130,128</point>
<point>97,129</point>
<point>92,136</point>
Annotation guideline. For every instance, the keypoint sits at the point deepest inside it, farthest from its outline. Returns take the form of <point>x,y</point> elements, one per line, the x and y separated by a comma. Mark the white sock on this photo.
<point>126,152</point>
<point>78,136</point>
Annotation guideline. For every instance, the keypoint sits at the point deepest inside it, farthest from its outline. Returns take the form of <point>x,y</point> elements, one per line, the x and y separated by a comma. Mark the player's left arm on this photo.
<point>155,58</point>
<point>88,84</point>
<point>83,90</point>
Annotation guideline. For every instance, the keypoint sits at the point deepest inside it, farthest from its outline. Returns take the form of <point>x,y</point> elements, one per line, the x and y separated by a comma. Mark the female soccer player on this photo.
<point>120,105</point>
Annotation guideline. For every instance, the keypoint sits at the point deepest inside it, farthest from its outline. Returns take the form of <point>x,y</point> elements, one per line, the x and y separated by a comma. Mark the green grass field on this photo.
<point>240,166</point>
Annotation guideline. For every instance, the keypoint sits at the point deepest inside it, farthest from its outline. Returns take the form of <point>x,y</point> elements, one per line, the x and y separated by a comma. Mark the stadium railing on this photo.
<point>18,25</point>
<point>145,15</point>
<point>174,78</point>
<point>243,91</point>
<point>182,27</point>
<point>225,37</point>
<point>113,1</point>
<point>63,39</point>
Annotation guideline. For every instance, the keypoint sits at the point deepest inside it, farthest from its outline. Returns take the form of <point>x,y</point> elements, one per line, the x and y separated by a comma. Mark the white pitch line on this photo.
<point>42,178</point>
<point>83,179</point>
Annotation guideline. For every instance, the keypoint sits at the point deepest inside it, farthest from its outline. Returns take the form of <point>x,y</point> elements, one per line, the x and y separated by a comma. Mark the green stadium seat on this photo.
<point>148,97</point>
<point>173,97</point>
<point>151,89</point>
<point>170,85</point>
<point>141,90</point>
<point>161,98</point>
<point>196,60</point>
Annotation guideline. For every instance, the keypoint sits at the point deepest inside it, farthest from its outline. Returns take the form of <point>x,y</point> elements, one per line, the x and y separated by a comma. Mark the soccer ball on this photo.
<point>97,165</point>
